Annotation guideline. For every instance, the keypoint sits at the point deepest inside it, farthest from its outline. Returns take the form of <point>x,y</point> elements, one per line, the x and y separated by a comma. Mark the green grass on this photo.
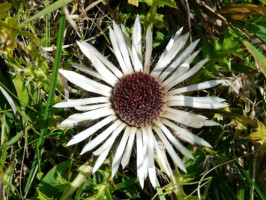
<point>34,160</point>
<point>50,101</point>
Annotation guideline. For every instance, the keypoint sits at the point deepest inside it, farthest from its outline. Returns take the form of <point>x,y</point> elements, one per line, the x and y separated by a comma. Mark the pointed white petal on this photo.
<point>161,157</point>
<point>104,60</point>
<point>150,148</point>
<point>100,160</point>
<point>197,105</point>
<point>89,131</point>
<point>145,144</point>
<point>129,147</point>
<point>210,123</point>
<point>109,142</point>
<point>170,150</point>
<point>186,133</point>
<point>101,137</point>
<point>186,118</point>
<point>136,46</point>
<point>151,167</point>
<point>198,86</point>
<point>190,59</point>
<point>80,102</point>
<point>152,176</point>
<point>117,52</point>
<point>122,46</point>
<point>85,69</point>
<point>141,181</point>
<point>140,158</point>
<point>174,141</point>
<point>187,75</point>
<point>120,150</point>
<point>170,55</point>
<point>179,72</point>
<point>196,102</point>
<point>91,115</point>
<point>92,107</point>
<point>99,66</point>
<point>148,50</point>
<point>86,83</point>
<point>184,55</point>
<point>171,42</point>
<point>195,99</point>
<point>182,137</point>
<point>178,61</point>
<point>127,40</point>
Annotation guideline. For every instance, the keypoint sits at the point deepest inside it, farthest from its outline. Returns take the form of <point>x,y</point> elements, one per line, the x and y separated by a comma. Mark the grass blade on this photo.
<point>258,57</point>
<point>47,111</point>
<point>47,10</point>
<point>47,25</point>
<point>251,182</point>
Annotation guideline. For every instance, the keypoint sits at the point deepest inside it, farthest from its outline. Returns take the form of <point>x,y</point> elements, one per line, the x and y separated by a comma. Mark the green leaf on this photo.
<point>260,133</point>
<point>126,183</point>
<point>54,182</point>
<point>263,1</point>
<point>228,45</point>
<point>134,2</point>
<point>149,2</point>
<point>42,196</point>
<point>15,139</point>
<point>258,57</point>
<point>4,7</point>
<point>9,30</point>
<point>22,91</point>
<point>170,3</point>
<point>193,165</point>
<point>258,30</point>
<point>102,194</point>
<point>160,3</point>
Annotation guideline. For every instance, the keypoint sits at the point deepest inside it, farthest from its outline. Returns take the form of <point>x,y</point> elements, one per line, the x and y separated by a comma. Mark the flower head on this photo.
<point>138,103</point>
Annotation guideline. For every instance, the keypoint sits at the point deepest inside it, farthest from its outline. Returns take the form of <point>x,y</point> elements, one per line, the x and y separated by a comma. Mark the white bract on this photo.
<point>137,103</point>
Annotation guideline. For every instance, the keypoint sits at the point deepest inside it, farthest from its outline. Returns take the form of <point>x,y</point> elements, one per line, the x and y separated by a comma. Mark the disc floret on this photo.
<point>139,99</point>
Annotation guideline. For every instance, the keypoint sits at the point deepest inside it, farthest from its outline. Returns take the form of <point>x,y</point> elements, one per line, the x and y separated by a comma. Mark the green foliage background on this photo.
<point>34,160</point>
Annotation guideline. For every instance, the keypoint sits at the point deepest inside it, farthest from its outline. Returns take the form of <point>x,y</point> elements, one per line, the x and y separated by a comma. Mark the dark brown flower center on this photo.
<point>138,99</point>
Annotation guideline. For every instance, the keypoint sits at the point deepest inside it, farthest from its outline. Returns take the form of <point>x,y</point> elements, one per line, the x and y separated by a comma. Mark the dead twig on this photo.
<point>188,19</point>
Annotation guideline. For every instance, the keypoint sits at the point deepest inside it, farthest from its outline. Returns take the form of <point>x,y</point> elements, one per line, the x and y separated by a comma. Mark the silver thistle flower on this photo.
<point>138,102</point>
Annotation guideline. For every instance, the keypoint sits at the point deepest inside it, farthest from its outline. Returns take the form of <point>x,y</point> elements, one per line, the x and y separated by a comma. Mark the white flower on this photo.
<point>139,103</point>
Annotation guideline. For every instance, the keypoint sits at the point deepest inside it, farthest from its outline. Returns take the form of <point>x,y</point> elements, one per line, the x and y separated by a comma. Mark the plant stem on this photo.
<point>81,178</point>
<point>47,25</point>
